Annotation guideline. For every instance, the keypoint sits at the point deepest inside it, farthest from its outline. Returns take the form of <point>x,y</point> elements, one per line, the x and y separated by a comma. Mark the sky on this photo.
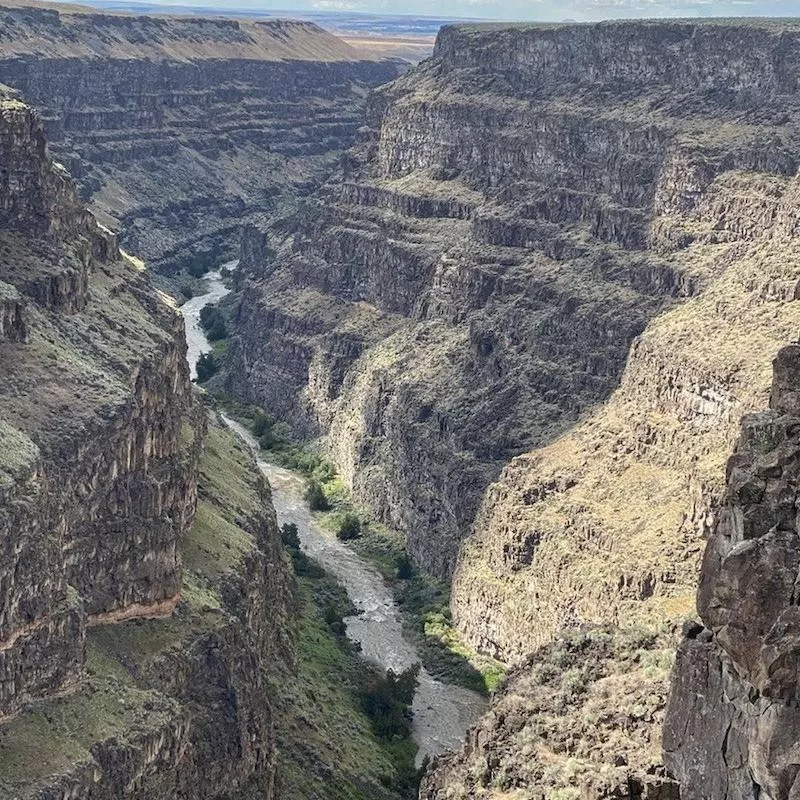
<point>534,10</point>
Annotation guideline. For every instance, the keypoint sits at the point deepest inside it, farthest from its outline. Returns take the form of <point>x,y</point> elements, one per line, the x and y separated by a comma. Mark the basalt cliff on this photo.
<point>527,318</point>
<point>134,637</point>
<point>177,130</point>
<point>732,721</point>
<point>557,266</point>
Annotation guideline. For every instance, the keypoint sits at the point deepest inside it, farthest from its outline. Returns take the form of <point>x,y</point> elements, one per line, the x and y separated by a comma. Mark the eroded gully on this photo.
<point>442,712</point>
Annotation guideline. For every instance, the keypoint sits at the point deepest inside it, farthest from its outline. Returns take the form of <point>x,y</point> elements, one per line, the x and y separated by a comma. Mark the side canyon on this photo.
<point>179,129</point>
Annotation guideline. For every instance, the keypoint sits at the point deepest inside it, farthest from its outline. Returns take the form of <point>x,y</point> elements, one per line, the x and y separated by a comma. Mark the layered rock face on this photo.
<point>96,486</point>
<point>176,707</point>
<point>98,492</point>
<point>178,129</point>
<point>524,205</point>
<point>608,523</point>
<point>732,723</point>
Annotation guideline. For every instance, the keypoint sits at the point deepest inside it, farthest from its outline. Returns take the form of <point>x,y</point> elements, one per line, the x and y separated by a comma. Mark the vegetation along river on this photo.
<point>442,712</point>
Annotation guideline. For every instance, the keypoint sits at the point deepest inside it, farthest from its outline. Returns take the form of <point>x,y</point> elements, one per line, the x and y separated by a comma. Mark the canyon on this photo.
<point>178,129</point>
<point>152,627</point>
<point>530,312</point>
<point>527,318</point>
<point>528,296</point>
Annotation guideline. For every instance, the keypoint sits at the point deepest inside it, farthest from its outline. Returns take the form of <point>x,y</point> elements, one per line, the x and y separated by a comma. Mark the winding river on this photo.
<point>442,712</point>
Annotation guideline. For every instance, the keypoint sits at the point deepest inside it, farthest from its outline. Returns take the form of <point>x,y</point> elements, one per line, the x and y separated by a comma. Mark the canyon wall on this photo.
<point>732,722</point>
<point>135,634</point>
<point>472,285</point>
<point>179,129</point>
<point>527,319</point>
<point>96,487</point>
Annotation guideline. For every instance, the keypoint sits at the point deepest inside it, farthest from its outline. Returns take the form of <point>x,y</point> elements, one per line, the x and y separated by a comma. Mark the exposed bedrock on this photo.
<point>732,722</point>
<point>474,280</point>
<point>96,484</point>
<point>139,617</point>
<point>177,706</point>
<point>179,129</point>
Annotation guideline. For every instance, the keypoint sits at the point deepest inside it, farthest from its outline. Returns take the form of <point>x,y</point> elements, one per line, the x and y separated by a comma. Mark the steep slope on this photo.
<point>732,721</point>
<point>97,486</point>
<point>581,718</point>
<point>178,129</point>
<point>134,633</point>
<point>176,707</point>
<point>609,521</point>
<point>525,204</point>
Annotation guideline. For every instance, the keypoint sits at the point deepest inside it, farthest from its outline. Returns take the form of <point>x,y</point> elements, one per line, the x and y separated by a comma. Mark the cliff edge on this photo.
<point>732,723</point>
<point>136,626</point>
<point>178,129</point>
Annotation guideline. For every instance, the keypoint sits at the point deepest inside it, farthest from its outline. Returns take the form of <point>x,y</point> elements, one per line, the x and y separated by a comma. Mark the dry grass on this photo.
<point>620,536</point>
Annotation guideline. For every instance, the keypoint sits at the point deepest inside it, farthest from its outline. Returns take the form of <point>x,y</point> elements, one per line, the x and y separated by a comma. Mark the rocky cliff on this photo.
<point>524,206</point>
<point>732,722</point>
<point>177,706</point>
<point>134,632</point>
<point>579,719</point>
<point>96,485</point>
<point>179,129</point>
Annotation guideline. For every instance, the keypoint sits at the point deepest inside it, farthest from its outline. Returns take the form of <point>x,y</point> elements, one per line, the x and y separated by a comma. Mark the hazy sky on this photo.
<point>547,10</point>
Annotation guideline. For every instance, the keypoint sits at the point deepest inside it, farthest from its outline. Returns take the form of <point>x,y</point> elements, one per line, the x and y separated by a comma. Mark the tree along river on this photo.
<point>442,712</point>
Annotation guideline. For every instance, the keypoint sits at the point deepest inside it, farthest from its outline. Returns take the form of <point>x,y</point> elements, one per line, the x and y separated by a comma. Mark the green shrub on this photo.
<point>218,331</point>
<point>207,316</point>
<point>282,432</point>
<point>213,323</point>
<point>267,441</point>
<point>323,471</point>
<point>349,528</point>
<point>262,423</point>
<point>315,495</point>
<point>272,435</point>
<point>334,621</point>
<point>573,682</point>
<point>387,701</point>
<point>304,566</point>
<point>404,569</point>
<point>289,536</point>
<point>198,268</point>
<point>207,367</point>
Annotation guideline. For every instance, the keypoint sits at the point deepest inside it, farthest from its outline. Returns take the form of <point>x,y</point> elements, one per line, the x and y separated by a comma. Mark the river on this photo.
<point>442,712</point>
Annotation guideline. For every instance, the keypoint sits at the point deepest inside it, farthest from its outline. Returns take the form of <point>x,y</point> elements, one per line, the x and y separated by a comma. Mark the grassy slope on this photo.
<point>326,746</point>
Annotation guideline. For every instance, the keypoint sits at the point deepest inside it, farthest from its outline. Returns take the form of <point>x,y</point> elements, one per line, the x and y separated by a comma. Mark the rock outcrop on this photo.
<point>96,485</point>
<point>179,129</point>
<point>176,707</point>
<point>732,724</point>
<point>135,633</point>
<point>579,719</point>
<point>523,207</point>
